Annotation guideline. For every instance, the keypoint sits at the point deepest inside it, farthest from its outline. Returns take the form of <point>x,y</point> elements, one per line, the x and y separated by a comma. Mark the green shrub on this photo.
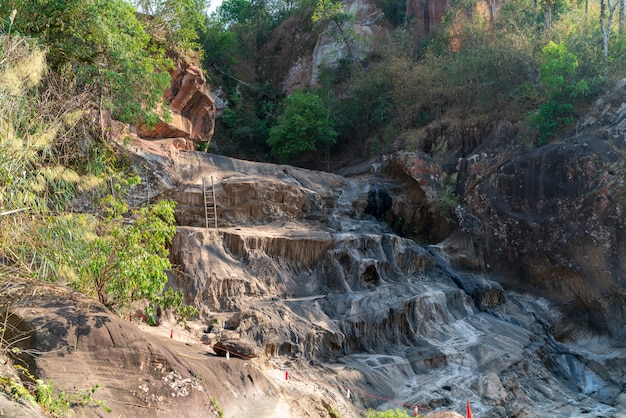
<point>128,262</point>
<point>560,88</point>
<point>390,413</point>
<point>304,125</point>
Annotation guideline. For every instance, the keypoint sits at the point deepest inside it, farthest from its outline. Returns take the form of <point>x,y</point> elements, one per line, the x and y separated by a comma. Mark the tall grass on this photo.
<point>37,180</point>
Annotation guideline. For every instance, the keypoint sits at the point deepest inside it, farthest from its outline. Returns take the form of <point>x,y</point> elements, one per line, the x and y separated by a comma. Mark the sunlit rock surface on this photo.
<point>299,269</point>
<point>191,105</point>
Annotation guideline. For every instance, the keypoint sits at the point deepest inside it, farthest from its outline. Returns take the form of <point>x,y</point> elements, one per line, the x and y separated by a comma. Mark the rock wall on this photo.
<point>426,14</point>
<point>353,40</point>
<point>551,219</point>
<point>301,274</point>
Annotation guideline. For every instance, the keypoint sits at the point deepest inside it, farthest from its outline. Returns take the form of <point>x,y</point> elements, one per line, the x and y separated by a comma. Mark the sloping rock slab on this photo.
<point>9,408</point>
<point>78,344</point>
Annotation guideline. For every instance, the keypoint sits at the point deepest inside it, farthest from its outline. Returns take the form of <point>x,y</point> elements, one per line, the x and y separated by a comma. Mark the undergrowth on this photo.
<point>51,153</point>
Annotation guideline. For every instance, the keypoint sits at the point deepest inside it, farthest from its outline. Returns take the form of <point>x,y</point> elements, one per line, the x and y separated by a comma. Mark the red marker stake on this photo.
<point>287,375</point>
<point>171,333</point>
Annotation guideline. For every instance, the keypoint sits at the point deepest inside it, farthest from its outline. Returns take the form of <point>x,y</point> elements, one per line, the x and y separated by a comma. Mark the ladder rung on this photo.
<point>210,207</point>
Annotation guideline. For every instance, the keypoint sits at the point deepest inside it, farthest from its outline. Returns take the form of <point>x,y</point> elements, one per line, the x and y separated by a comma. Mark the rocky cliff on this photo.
<point>550,220</point>
<point>312,295</point>
<point>302,61</point>
<point>301,275</point>
<point>520,310</point>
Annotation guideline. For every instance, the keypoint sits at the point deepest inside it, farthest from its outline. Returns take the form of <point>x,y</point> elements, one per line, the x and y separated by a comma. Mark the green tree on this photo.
<point>100,45</point>
<point>560,88</point>
<point>178,20</point>
<point>304,125</point>
<point>331,13</point>
<point>128,262</point>
<point>218,45</point>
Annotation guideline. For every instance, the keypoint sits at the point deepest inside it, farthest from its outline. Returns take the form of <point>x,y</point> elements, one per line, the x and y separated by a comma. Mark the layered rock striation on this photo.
<point>302,273</point>
<point>551,220</point>
<point>191,107</point>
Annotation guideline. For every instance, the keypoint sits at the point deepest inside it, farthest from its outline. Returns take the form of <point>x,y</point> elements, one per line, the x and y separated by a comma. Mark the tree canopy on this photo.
<point>304,125</point>
<point>98,45</point>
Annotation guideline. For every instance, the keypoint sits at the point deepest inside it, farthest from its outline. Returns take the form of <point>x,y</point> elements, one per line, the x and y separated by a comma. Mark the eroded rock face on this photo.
<point>426,13</point>
<point>552,220</point>
<point>191,105</point>
<point>310,278</point>
<point>77,344</point>
<point>334,44</point>
<point>81,345</point>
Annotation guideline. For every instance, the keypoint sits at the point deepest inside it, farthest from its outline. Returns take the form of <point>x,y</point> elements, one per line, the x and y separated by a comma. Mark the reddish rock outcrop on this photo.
<point>426,13</point>
<point>191,105</point>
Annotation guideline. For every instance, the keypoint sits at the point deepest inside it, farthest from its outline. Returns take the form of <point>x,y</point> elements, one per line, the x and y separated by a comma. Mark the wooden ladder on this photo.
<point>210,207</point>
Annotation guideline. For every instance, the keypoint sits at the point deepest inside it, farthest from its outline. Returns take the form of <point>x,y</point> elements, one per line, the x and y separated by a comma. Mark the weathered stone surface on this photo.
<point>12,409</point>
<point>191,105</point>
<point>235,346</point>
<point>555,215</point>
<point>77,344</point>
<point>550,220</point>
<point>413,196</point>
<point>426,14</point>
<point>353,40</point>
<point>310,277</point>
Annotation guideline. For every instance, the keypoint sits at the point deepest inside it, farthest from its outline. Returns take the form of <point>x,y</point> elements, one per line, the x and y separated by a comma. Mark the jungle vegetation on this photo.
<point>66,64</point>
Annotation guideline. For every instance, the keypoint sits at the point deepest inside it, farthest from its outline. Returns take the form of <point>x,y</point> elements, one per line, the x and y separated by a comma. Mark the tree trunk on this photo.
<point>426,17</point>
<point>548,15</point>
<point>605,26</point>
<point>493,9</point>
<point>622,29</point>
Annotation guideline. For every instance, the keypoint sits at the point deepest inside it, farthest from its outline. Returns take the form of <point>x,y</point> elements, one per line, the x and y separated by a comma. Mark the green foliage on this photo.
<point>128,262</point>
<point>175,21</point>
<point>218,44</point>
<point>236,11</point>
<point>170,299</point>
<point>395,10</point>
<point>551,117</point>
<point>557,77</point>
<point>218,408</point>
<point>557,70</point>
<point>333,413</point>
<point>52,402</point>
<point>101,45</point>
<point>329,11</point>
<point>390,413</point>
<point>249,117</point>
<point>304,125</point>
